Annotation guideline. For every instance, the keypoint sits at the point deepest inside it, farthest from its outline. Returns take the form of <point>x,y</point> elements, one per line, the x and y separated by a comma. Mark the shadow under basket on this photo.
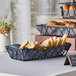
<point>25,54</point>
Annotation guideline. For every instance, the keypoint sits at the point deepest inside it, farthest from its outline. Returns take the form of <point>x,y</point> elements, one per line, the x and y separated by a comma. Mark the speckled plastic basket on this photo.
<point>26,54</point>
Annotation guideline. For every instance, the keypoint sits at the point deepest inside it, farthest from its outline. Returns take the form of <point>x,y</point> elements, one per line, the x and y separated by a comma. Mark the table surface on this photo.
<point>46,67</point>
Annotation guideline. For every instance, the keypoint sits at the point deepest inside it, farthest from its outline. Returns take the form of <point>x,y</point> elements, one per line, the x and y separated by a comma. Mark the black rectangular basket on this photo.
<point>68,14</point>
<point>56,30</point>
<point>26,54</point>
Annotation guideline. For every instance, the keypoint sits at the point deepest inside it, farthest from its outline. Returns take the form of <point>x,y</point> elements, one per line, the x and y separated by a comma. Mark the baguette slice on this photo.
<point>45,43</point>
<point>31,45</point>
<point>59,41</point>
<point>64,38</point>
<point>51,42</point>
<point>24,44</point>
<point>37,44</point>
<point>55,40</point>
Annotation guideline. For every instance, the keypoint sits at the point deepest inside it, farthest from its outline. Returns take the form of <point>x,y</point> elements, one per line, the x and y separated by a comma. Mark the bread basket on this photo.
<point>56,30</point>
<point>25,54</point>
<point>69,13</point>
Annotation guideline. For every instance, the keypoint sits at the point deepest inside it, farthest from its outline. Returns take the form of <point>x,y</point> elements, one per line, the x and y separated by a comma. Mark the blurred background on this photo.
<point>42,11</point>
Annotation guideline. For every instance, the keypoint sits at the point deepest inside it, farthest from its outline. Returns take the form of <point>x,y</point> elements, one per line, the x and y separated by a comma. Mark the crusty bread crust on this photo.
<point>66,7</point>
<point>51,23</point>
<point>45,43</point>
<point>59,41</point>
<point>61,23</point>
<point>31,45</point>
<point>65,22</point>
<point>72,7</point>
<point>71,24</point>
<point>64,39</point>
<point>51,42</point>
<point>37,44</point>
<point>55,40</point>
<point>24,44</point>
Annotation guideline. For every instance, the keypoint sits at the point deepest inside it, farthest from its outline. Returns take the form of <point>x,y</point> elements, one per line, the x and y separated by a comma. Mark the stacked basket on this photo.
<point>68,11</point>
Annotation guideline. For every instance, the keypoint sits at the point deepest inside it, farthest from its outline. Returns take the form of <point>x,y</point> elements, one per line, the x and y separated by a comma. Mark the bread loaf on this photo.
<point>72,7</point>
<point>51,23</point>
<point>66,7</point>
<point>71,24</point>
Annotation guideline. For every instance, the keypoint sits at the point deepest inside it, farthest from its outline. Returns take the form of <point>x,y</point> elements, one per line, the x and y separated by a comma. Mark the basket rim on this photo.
<point>56,26</point>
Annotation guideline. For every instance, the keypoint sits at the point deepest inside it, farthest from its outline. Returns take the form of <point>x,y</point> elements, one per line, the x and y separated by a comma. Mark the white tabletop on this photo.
<point>46,67</point>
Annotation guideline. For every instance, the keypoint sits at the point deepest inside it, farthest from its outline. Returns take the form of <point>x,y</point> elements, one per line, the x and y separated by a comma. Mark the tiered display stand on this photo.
<point>71,39</point>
